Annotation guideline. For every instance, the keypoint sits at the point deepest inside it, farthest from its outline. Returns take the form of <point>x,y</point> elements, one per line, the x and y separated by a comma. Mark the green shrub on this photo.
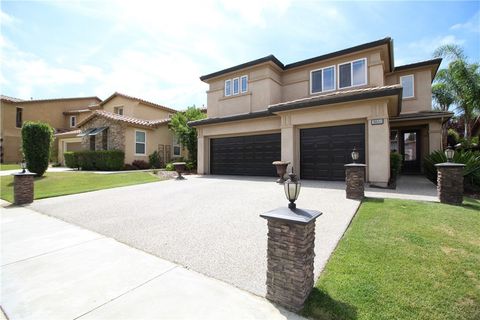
<point>154,160</point>
<point>471,172</point>
<point>170,167</point>
<point>71,159</point>
<point>395,163</point>
<point>37,139</point>
<point>190,165</point>
<point>141,165</point>
<point>453,134</point>
<point>104,160</point>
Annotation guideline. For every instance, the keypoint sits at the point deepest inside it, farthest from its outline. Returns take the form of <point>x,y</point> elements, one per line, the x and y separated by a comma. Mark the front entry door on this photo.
<point>411,151</point>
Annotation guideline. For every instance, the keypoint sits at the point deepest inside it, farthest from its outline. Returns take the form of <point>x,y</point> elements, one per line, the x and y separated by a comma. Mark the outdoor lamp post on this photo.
<point>355,154</point>
<point>23,165</point>
<point>449,153</point>
<point>292,190</point>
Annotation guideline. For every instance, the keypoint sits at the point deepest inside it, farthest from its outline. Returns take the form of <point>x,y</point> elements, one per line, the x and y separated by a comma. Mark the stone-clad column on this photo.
<point>450,182</point>
<point>23,187</point>
<point>290,256</point>
<point>355,181</point>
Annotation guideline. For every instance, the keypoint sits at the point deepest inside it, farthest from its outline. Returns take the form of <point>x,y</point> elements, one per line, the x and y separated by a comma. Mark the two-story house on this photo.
<point>135,126</point>
<point>61,114</point>
<point>314,112</point>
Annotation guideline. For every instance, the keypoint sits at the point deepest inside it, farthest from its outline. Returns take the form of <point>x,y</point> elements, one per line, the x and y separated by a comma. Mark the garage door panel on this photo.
<point>245,155</point>
<point>325,150</point>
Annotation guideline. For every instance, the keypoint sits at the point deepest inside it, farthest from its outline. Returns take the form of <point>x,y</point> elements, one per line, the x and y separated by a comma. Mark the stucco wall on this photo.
<point>135,109</point>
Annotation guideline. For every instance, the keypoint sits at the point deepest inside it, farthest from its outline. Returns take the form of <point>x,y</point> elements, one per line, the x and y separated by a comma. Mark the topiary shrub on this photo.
<point>104,160</point>
<point>154,160</point>
<point>471,172</point>
<point>141,165</point>
<point>37,139</point>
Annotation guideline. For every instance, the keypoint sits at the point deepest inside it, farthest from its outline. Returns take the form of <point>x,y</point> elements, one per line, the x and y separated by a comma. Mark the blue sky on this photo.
<point>156,50</point>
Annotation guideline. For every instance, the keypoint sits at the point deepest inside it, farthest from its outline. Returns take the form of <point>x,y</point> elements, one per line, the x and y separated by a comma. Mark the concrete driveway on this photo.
<point>209,224</point>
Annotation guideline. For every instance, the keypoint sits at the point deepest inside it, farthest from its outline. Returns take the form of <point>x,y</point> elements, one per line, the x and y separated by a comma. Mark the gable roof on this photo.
<point>148,103</point>
<point>135,122</point>
<point>434,64</point>
<point>9,99</point>
<point>271,58</point>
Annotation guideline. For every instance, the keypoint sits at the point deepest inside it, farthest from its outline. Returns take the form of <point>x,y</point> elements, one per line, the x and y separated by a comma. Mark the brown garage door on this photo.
<point>324,151</point>
<point>245,155</point>
<point>73,146</point>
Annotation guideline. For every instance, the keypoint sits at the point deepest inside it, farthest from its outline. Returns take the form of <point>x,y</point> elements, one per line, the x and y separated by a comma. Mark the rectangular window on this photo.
<point>140,142</point>
<point>394,141</point>
<point>105,139</point>
<point>352,74</point>
<point>228,88</point>
<point>18,118</point>
<point>92,143</point>
<point>118,110</point>
<point>176,147</point>
<point>407,83</point>
<point>244,84</point>
<point>322,80</point>
<point>73,121</point>
<point>236,86</point>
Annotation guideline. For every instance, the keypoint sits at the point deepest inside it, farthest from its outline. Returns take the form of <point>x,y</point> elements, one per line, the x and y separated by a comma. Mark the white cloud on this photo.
<point>426,46</point>
<point>473,24</point>
<point>7,20</point>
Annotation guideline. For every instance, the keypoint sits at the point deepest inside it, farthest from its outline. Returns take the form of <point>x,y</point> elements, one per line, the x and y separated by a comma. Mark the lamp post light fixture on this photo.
<point>355,154</point>
<point>449,153</point>
<point>23,165</point>
<point>292,189</point>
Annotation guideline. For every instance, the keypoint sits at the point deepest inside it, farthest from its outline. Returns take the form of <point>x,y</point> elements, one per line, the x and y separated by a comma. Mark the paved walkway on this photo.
<point>54,270</point>
<point>413,187</point>
<point>50,169</point>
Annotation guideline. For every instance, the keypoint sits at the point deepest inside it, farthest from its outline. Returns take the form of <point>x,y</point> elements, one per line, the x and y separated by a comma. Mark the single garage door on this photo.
<point>245,155</point>
<point>324,151</point>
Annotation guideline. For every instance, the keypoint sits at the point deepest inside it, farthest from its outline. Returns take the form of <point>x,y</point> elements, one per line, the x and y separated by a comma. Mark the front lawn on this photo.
<point>12,166</point>
<point>403,260</point>
<point>54,184</point>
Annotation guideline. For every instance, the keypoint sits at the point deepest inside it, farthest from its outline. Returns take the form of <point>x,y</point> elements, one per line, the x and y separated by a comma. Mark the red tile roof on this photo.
<point>118,94</point>
<point>125,119</point>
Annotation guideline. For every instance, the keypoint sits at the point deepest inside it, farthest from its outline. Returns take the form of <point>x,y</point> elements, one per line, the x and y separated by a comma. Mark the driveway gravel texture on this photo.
<point>210,224</point>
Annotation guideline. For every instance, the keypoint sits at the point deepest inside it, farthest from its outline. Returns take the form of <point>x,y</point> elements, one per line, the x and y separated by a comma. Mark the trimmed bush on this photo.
<point>154,160</point>
<point>103,160</point>
<point>141,165</point>
<point>37,139</point>
<point>471,172</point>
<point>129,167</point>
<point>395,163</point>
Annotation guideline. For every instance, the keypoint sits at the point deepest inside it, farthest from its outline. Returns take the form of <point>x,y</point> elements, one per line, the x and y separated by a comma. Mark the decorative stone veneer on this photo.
<point>115,134</point>
<point>355,181</point>
<point>23,188</point>
<point>450,183</point>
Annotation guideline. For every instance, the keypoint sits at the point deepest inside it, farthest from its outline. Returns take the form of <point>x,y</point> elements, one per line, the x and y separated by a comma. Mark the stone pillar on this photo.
<point>355,180</point>
<point>290,255</point>
<point>450,182</point>
<point>23,187</point>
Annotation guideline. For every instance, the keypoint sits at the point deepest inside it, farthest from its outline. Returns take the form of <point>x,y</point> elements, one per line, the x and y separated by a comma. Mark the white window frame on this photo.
<point>246,84</point>
<point>75,121</point>
<point>323,78</point>
<point>135,144</point>
<point>413,86</point>
<point>175,143</point>
<point>233,86</point>
<point>170,115</point>
<point>228,94</point>
<point>351,74</point>
<point>118,108</point>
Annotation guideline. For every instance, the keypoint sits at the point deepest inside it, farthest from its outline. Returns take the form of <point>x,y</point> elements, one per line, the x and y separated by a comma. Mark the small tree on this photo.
<point>37,139</point>
<point>186,134</point>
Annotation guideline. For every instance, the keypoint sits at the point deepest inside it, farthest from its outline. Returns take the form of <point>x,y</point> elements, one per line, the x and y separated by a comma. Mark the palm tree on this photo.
<point>461,80</point>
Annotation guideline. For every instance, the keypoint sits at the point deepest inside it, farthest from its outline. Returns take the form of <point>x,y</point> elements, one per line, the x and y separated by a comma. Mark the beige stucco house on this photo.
<point>136,126</point>
<point>313,112</point>
<point>62,114</point>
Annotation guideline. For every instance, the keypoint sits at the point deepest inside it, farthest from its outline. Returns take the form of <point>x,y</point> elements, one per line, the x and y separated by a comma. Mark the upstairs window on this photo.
<point>244,84</point>
<point>118,110</point>
<point>407,83</point>
<point>18,118</point>
<point>228,88</point>
<point>140,143</point>
<point>322,80</point>
<point>352,74</point>
<point>236,86</point>
<point>73,121</point>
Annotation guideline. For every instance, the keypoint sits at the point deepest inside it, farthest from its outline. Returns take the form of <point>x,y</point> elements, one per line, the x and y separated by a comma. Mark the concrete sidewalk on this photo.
<point>51,269</point>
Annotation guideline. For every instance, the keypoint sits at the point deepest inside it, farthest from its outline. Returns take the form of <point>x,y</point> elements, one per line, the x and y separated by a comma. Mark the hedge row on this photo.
<point>104,160</point>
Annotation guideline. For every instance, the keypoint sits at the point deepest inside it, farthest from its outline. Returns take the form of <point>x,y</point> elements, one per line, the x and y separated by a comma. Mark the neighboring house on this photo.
<point>62,114</point>
<point>121,122</point>
<point>313,112</point>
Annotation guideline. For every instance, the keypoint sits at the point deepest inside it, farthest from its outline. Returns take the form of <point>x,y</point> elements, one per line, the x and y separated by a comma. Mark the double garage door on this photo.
<point>323,152</point>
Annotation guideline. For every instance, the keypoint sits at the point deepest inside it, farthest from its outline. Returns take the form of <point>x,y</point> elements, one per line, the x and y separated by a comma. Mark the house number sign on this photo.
<point>375,122</point>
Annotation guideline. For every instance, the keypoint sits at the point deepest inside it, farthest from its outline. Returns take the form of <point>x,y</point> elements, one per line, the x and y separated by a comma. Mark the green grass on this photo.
<point>12,166</point>
<point>403,260</point>
<point>54,184</point>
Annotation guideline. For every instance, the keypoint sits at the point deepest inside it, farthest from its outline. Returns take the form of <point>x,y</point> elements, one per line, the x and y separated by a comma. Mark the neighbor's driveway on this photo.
<point>209,224</point>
